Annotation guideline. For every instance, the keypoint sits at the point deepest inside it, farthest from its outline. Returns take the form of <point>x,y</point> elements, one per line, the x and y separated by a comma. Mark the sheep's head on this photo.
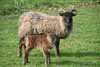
<point>69,13</point>
<point>68,20</point>
<point>68,16</point>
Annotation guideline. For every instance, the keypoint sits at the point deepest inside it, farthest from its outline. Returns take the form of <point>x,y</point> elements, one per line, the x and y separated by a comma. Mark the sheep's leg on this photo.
<point>56,47</point>
<point>26,55</point>
<point>46,54</point>
<point>20,48</point>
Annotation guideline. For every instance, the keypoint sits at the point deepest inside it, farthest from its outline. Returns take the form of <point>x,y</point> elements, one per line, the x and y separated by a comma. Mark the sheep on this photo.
<point>42,41</point>
<point>38,23</point>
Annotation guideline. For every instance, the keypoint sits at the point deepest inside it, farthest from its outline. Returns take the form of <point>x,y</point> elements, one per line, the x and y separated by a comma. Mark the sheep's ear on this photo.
<point>74,12</point>
<point>61,14</point>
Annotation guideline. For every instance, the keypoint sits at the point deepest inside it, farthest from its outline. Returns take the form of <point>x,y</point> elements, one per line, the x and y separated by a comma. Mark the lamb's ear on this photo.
<point>74,12</point>
<point>61,14</point>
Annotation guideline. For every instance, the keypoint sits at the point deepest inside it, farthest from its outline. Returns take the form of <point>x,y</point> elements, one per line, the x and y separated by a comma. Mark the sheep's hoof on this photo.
<point>28,62</point>
<point>46,65</point>
<point>57,54</point>
<point>19,55</point>
<point>24,63</point>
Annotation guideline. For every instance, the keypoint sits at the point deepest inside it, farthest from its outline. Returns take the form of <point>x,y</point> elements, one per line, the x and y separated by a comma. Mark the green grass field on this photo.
<point>81,49</point>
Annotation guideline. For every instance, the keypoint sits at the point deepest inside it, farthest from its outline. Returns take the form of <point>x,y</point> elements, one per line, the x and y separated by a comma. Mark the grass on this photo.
<point>81,49</point>
<point>18,6</point>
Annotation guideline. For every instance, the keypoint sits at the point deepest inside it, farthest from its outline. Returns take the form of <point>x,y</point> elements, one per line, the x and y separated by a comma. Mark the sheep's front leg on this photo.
<point>26,55</point>
<point>56,47</point>
<point>46,54</point>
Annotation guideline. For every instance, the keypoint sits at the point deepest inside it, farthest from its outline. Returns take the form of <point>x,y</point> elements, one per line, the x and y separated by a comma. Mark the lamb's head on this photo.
<point>68,20</point>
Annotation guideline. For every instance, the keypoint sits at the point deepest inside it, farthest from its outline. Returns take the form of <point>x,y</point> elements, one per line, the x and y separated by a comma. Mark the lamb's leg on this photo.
<point>20,47</point>
<point>26,55</point>
<point>46,54</point>
<point>56,47</point>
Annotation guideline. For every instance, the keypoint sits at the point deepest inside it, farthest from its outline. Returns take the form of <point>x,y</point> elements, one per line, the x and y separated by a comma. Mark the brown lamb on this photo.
<point>42,41</point>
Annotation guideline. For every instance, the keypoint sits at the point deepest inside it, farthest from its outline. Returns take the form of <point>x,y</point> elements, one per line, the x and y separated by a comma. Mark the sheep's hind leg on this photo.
<point>46,54</point>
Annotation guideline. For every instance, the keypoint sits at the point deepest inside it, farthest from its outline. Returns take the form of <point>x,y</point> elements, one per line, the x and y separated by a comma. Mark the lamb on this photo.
<point>42,41</point>
<point>38,23</point>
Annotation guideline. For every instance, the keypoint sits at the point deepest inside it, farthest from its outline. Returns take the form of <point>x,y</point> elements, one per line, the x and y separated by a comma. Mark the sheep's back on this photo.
<point>47,24</point>
<point>38,23</point>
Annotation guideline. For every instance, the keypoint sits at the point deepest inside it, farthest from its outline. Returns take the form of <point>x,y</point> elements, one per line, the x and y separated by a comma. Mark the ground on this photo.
<point>80,49</point>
